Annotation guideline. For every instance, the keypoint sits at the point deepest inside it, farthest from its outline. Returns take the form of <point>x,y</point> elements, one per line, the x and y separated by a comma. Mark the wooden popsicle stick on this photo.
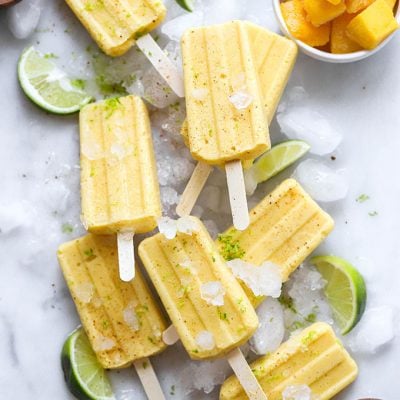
<point>162,63</point>
<point>237,194</point>
<point>126,256</point>
<point>170,336</point>
<point>245,375</point>
<point>149,379</point>
<point>193,189</point>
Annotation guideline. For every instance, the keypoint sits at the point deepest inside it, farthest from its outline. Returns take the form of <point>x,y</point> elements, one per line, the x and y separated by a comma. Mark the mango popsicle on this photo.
<point>116,25</point>
<point>122,321</point>
<point>274,57</point>
<point>314,358</point>
<point>205,303</point>
<point>225,111</point>
<point>285,228</point>
<point>119,186</point>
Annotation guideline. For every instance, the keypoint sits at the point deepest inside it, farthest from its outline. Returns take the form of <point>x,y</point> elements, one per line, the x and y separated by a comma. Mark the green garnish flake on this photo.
<point>145,364</point>
<point>311,336</point>
<point>373,213</point>
<point>151,340</point>
<point>50,56</point>
<point>111,106</point>
<point>229,248</point>
<point>89,253</point>
<point>141,310</point>
<point>223,316</point>
<point>287,302</point>
<point>311,317</point>
<point>242,308</point>
<point>105,324</point>
<point>78,83</point>
<point>362,198</point>
<point>67,228</point>
<point>108,88</point>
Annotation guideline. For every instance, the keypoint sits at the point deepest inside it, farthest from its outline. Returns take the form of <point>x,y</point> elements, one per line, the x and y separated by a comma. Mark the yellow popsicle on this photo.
<point>284,229</point>
<point>205,303</point>
<point>122,321</point>
<point>116,24</point>
<point>314,357</point>
<point>225,108</point>
<point>119,185</point>
<point>274,57</point>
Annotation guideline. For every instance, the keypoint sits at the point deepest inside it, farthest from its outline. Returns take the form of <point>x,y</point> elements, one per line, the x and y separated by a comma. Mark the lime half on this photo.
<point>85,377</point>
<point>274,161</point>
<point>187,5</point>
<point>345,290</point>
<point>47,86</point>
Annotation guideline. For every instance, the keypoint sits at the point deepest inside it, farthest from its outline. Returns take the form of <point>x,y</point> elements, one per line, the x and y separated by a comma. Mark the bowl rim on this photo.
<point>323,55</point>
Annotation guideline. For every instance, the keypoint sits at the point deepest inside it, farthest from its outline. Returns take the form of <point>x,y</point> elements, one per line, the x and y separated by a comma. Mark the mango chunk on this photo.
<point>340,42</point>
<point>354,6</point>
<point>373,25</point>
<point>296,21</point>
<point>320,12</point>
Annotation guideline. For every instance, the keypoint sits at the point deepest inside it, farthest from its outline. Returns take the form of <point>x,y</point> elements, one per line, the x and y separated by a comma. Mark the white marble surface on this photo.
<point>39,194</point>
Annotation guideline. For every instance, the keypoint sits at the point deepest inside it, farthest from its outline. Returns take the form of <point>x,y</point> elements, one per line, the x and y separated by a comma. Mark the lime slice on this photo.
<point>345,290</point>
<point>278,158</point>
<point>187,5</point>
<point>85,377</point>
<point>47,86</point>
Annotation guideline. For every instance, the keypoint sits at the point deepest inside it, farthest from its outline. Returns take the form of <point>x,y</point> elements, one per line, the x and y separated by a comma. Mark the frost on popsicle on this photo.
<point>297,392</point>
<point>213,293</point>
<point>205,340</point>
<point>265,280</point>
<point>84,292</point>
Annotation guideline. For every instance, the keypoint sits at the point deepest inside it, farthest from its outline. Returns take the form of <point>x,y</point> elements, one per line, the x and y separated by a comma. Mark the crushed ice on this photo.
<point>168,227</point>
<point>103,343</point>
<point>297,392</point>
<point>187,225</point>
<point>263,280</point>
<point>84,292</point>
<point>320,181</point>
<point>131,318</point>
<point>205,340</point>
<point>271,330</point>
<point>376,328</point>
<point>241,99</point>
<point>213,293</point>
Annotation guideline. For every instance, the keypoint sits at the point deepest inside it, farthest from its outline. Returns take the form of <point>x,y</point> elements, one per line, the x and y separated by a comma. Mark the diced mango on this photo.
<point>320,12</point>
<point>354,6</point>
<point>373,25</point>
<point>296,21</point>
<point>340,42</point>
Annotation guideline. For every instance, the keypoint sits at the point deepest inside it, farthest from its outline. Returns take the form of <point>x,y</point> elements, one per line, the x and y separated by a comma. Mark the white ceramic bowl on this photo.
<point>322,55</point>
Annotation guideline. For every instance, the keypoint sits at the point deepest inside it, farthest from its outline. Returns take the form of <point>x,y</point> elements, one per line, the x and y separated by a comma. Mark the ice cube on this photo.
<point>210,198</point>
<point>205,340</point>
<point>213,293</point>
<point>168,227</point>
<point>297,392</point>
<point>271,330</point>
<point>301,122</point>
<point>84,292</point>
<point>24,17</point>
<point>376,328</point>
<point>241,99</point>
<point>321,182</point>
<point>187,225</point>
<point>102,343</point>
<point>175,28</point>
<point>169,196</point>
<point>263,280</point>
<point>131,318</point>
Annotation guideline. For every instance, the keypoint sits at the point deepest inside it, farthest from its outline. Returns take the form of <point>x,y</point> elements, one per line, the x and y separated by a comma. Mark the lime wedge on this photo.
<point>274,161</point>
<point>187,5</point>
<point>345,290</point>
<point>85,377</point>
<point>47,86</point>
